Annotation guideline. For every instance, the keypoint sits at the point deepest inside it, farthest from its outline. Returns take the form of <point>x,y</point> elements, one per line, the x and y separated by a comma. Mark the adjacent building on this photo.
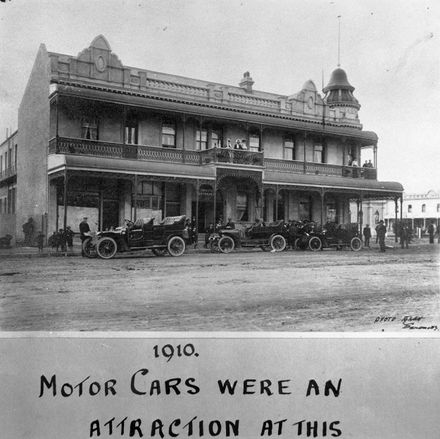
<point>100,139</point>
<point>8,184</point>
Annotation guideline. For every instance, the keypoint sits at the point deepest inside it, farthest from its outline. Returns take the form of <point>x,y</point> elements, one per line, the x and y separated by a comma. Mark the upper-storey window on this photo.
<point>89,129</point>
<point>202,139</point>
<point>409,208</point>
<point>131,132</point>
<point>216,139</point>
<point>254,142</point>
<point>169,134</point>
<point>318,153</point>
<point>438,207</point>
<point>423,207</point>
<point>289,149</point>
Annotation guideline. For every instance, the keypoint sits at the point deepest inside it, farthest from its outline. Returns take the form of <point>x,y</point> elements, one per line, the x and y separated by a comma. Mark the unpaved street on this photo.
<point>247,291</point>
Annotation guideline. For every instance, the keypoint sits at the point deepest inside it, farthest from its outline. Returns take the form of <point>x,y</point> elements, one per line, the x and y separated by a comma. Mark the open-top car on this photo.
<point>170,236</point>
<point>267,237</point>
<point>337,236</point>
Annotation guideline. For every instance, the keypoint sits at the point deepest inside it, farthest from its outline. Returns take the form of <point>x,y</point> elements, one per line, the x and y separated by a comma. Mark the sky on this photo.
<point>390,50</point>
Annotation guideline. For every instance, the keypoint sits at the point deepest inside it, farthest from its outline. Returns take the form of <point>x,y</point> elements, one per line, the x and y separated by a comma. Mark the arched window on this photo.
<point>409,208</point>
<point>423,207</point>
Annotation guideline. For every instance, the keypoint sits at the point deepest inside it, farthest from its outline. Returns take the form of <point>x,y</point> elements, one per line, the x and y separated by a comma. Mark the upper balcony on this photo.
<point>219,157</point>
<point>8,173</point>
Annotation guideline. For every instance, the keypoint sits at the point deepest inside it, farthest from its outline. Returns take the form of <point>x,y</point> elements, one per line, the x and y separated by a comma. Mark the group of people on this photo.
<point>62,239</point>
<point>403,231</point>
<point>239,144</point>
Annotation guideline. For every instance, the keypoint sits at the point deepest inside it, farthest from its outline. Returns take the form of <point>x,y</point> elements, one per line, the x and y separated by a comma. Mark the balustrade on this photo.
<point>215,156</point>
<point>8,172</point>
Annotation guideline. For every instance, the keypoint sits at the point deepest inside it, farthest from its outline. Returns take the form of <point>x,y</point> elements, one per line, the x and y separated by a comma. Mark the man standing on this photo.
<point>367,236</point>
<point>83,229</point>
<point>381,231</point>
<point>431,231</point>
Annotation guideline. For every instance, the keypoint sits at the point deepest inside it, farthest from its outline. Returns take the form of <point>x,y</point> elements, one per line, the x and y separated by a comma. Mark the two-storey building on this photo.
<point>8,184</point>
<point>108,141</point>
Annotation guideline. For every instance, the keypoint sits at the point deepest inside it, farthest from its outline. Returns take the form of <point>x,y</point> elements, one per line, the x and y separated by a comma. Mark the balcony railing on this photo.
<point>8,172</point>
<point>233,156</point>
<point>299,167</point>
<point>215,156</point>
<point>64,145</point>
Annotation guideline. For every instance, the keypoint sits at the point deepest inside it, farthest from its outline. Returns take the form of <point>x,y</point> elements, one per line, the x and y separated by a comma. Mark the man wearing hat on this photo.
<point>83,229</point>
<point>381,231</point>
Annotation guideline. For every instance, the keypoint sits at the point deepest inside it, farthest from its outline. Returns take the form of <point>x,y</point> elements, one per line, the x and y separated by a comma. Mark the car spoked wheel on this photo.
<point>89,248</point>
<point>355,244</point>
<point>315,244</point>
<point>176,246</point>
<point>226,244</point>
<point>106,248</point>
<point>159,251</point>
<point>278,243</point>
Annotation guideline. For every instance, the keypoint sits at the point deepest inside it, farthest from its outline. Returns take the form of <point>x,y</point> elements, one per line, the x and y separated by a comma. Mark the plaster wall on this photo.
<point>33,139</point>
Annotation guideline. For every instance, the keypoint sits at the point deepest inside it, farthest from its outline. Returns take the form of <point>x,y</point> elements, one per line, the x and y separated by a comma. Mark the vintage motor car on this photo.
<point>170,236</point>
<point>336,236</point>
<point>267,237</point>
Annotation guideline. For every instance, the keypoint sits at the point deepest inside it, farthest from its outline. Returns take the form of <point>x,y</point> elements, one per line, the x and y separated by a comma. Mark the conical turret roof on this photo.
<point>338,80</point>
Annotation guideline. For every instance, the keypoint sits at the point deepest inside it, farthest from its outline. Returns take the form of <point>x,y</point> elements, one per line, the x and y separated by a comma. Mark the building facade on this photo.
<point>107,141</point>
<point>8,184</point>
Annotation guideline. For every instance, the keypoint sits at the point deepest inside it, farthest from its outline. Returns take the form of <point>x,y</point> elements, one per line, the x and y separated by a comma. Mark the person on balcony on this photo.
<point>370,165</point>
<point>365,165</point>
<point>237,144</point>
<point>229,144</point>
<point>243,144</point>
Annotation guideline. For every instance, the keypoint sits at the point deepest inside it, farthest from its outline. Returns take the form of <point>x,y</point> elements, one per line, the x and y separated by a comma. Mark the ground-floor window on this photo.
<point>305,210</point>
<point>172,196</point>
<point>331,212</point>
<point>242,205</point>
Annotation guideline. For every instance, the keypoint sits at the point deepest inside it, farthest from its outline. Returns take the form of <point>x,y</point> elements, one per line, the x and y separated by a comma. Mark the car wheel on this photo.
<point>106,248</point>
<point>176,246</point>
<point>159,251</point>
<point>315,244</point>
<point>226,244</point>
<point>355,244</point>
<point>89,249</point>
<point>278,243</point>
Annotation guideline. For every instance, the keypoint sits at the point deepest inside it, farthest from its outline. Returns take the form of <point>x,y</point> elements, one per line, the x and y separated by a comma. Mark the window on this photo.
<point>438,207</point>
<point>254,142</point>
<point>242,206</point>
<point>15,156</point>
<point>318,156</point>
<point>289,149</point>
<point>168,135</point>
<point>90,129</point>
<point>149,195</point>
<point>11,200</point>
<point>202,139</point>
<point>409,208</point>
<point>304,210</point>
<point>423,207</point>
<point>131,133</point>
<point>216,139</point>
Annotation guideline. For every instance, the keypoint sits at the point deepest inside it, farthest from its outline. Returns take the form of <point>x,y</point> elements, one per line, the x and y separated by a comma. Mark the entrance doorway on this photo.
<point>110,214</point>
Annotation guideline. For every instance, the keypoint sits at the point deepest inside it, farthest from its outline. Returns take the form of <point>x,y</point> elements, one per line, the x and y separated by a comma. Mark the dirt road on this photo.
<point>247,291</point>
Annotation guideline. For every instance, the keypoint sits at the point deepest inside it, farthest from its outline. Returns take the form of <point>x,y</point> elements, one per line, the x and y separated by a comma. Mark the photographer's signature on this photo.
<point>408,322</point>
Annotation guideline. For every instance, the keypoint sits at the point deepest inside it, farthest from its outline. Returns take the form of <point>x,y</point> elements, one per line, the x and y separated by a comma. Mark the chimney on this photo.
<point>246,82</point>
